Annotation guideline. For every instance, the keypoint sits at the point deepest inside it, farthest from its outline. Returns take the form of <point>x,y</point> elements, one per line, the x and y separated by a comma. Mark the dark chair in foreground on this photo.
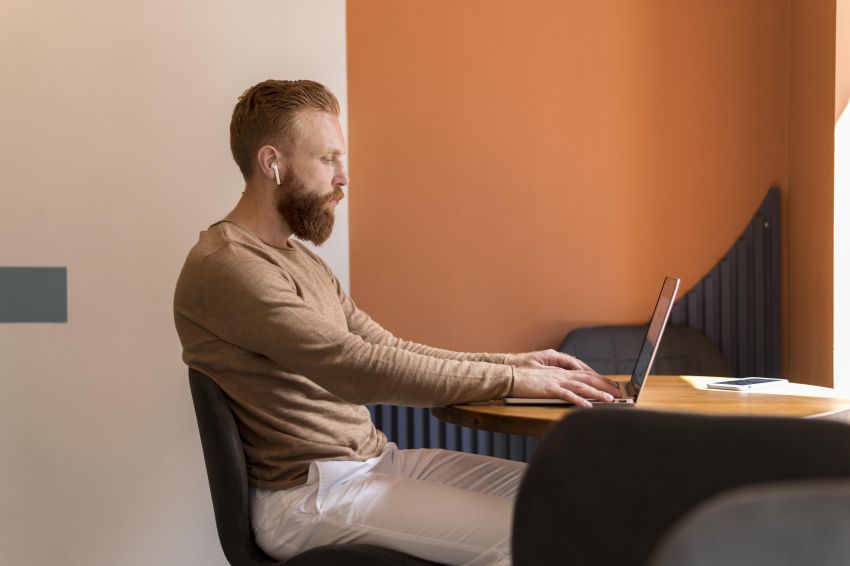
<point>228,478</point>
<point>776,524</point>
<point>612,350</point>
<point>605,485</point>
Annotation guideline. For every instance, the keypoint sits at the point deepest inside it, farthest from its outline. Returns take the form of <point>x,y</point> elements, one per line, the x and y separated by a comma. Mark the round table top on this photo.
<point>667,393</point>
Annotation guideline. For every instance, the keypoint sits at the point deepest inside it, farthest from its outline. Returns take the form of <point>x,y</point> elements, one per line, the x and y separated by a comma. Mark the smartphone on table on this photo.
<point>746,383</point>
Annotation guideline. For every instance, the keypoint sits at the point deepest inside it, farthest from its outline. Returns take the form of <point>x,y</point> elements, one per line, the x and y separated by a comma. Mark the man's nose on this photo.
<point>341,178</point>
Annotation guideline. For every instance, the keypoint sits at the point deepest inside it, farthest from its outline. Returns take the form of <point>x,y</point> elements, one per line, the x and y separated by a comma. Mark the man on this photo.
<point>267,320</point>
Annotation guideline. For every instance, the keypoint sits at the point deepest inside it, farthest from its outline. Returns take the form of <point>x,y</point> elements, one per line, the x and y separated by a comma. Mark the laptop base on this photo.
<point>528,401</point>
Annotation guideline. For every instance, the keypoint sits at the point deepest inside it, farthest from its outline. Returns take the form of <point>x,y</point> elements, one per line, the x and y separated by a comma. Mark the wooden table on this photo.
<point>667,393</point>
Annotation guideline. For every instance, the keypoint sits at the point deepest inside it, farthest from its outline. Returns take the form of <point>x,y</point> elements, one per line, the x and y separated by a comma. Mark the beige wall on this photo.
<point>115,155</point>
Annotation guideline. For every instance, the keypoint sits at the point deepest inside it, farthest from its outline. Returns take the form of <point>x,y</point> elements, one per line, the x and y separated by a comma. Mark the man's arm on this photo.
<point>362,324</point>
<point>250,303</point>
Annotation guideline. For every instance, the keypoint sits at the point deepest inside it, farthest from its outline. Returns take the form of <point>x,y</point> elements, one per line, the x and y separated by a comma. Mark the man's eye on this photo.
<point>328,159</point>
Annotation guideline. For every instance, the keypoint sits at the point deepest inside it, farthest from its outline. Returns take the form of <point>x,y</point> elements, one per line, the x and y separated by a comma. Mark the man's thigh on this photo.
<point>449,507</point>
<point>432,520</point>
<point>475,472</point>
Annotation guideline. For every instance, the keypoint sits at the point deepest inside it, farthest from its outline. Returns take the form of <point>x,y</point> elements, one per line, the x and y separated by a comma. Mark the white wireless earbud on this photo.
<point>276,173</point>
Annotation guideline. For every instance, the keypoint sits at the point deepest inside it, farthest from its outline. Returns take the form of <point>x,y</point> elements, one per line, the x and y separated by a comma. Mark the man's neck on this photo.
<point>257,212</point>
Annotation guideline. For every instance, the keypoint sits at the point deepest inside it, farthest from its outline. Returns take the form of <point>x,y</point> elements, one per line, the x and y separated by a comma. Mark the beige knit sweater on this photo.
<point>298,360</point>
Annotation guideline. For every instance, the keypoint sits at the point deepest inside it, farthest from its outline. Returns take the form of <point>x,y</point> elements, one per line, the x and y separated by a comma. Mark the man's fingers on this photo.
<point>554,358</point>
<point>588,391</point>
<point>608,385</point>
<point>574,386</point>
<point>571,397</point>
<point>576,364</point>
<point>597,381</point>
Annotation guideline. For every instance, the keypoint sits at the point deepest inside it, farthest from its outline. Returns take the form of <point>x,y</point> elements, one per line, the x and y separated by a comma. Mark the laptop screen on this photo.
<point>654,332</point>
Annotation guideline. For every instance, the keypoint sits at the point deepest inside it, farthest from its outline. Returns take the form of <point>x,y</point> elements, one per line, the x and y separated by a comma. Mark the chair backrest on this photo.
<point>225,461</point>
<point>606,484</point>
<point>612,350</point>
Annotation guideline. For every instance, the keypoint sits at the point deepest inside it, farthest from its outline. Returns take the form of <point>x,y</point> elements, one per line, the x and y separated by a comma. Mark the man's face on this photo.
<point>312,185</point>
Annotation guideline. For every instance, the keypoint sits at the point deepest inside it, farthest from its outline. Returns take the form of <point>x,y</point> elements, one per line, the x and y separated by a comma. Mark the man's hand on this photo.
<point>547,358</point>
<point>552,375</point>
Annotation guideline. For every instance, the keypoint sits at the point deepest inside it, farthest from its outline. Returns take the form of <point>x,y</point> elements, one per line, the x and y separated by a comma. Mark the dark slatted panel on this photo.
<point>415,428</point>
<point>737,305</point>
<point>728,308</point>
<point>742,334</point>
<point>773,298</point>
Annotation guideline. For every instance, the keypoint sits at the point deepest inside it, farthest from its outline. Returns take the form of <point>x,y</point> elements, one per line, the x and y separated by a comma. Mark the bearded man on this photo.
<point>266,319</point>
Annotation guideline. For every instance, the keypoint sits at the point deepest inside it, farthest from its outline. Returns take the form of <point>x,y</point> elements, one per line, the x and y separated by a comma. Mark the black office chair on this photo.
<point>612,350</point>
<point>606,484</point>
<point>225,461</point>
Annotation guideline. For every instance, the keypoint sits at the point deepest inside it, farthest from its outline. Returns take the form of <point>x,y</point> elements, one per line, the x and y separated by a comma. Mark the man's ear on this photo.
<point>270,163</point>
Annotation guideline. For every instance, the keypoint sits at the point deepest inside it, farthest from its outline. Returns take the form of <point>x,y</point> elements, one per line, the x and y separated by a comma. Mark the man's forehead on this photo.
<point>319,130</point>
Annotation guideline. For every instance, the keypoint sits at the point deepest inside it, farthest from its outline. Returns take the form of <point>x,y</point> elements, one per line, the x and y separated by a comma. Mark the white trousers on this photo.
<point>449,507</point>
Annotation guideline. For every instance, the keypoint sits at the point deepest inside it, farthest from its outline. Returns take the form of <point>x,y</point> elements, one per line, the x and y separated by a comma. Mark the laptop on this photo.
<point>630,390</point>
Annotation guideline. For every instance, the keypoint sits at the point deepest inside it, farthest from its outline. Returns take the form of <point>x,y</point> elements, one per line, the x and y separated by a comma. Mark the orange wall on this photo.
<point>809,198</point>
<point>514,164</point>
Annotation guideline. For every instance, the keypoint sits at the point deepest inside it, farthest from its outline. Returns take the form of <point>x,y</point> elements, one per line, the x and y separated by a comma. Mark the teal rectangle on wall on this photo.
<point>33,294</point>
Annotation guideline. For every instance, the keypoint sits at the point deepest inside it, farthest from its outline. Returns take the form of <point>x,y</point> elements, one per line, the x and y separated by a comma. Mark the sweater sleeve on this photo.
<point>360,323</point>
<point>250,302</point>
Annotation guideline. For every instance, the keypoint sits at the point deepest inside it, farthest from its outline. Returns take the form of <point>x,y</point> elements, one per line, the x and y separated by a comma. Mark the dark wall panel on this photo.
<point>33,294</point>
<point>737,305</point>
